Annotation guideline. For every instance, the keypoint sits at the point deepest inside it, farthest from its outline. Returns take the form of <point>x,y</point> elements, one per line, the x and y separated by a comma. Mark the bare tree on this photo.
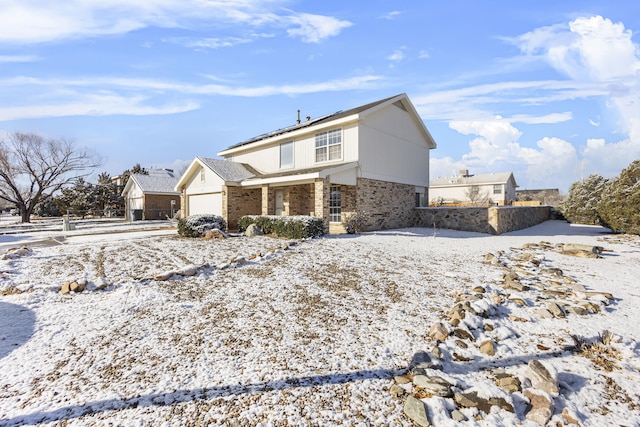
<point>32,167</point>
<point>476,197</point>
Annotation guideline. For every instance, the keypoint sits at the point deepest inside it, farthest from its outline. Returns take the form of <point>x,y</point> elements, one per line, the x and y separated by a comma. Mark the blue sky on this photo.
<point>549,90</point>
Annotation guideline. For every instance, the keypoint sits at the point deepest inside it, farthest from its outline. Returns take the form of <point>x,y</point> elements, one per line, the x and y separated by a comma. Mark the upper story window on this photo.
<point>202,175</point>
<point>497,189</point>
<point>286,155</point>
<point>329,145</point>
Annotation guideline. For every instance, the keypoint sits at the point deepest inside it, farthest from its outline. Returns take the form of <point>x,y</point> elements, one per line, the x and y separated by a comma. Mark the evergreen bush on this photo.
<point>582,201</point>
<point>290,227</point>
<point>198,225</point>
<point>619,205</point>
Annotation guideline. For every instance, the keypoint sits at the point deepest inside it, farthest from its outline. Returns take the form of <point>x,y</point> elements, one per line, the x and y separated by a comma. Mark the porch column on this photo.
<point>322,192</point>
<point>225,203</point>
<point>265,199</point>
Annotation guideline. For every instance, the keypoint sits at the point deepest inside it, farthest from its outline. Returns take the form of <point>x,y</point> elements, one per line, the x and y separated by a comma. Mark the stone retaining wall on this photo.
<point>493,220</point>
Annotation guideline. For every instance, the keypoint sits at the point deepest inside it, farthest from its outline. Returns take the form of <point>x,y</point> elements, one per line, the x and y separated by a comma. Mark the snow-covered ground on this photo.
<point>307,334</point>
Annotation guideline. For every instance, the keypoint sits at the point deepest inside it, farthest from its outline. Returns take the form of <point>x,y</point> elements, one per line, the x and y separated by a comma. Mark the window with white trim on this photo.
<point>335,204</point>
<point>329,145</point>
<point>202,175</point>
<point>286,155</point>
<point>497,189</point>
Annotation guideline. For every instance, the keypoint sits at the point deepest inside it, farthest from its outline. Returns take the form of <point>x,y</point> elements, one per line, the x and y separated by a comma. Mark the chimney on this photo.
<point>298,117</point>
<point>464,173</point>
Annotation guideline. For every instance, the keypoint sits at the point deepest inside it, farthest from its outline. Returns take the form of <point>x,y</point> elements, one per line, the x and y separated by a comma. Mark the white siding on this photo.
<point>212,183</point>
<point>393,148</point>
<point>267,159</point>
<point>459,193</point>
<point>205,204</point>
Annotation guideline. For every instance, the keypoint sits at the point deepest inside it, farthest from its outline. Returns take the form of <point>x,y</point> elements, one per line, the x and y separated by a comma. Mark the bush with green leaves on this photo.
<point>198,225</point>
<point>619,205</point>
<point>582,201</point>
<point>290,227</point>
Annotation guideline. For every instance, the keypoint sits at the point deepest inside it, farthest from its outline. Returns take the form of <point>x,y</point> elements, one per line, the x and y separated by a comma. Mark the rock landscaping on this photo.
<point>481,320</point>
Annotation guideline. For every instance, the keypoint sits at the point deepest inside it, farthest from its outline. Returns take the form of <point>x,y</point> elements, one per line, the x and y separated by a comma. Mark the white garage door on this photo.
<point>205,204</point>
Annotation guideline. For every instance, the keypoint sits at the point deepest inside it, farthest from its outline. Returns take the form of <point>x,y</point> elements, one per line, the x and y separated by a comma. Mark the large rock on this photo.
<point>165,275</point>
<point>487,347</point>
<point>434,385</point>
<point>421,361</point>
<point>416,410</point>
<point>471,400</point>
<point>215,234</point>
<point>540,407</point>
<point>439,331</point>
<point>541,378</point>
<point>253,230</point>
<point>187,270</point>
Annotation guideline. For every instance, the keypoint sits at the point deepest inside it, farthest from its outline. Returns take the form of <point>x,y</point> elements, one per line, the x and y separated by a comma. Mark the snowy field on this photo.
<point>313,333</point>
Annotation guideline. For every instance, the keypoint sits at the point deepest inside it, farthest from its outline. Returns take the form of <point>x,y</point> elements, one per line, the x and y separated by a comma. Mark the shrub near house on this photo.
<point>290,227</point>
<point>198,225</point>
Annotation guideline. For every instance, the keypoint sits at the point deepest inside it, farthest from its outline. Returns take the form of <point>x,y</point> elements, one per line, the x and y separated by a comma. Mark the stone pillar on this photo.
<point>265,199</point>
<point>225,203</point>
<point>322,193</point>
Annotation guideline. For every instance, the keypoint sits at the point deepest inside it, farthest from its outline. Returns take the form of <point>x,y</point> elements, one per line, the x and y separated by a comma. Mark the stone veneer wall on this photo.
<point>389,205</point>
<point>506,219</point>
<point>493,220</point>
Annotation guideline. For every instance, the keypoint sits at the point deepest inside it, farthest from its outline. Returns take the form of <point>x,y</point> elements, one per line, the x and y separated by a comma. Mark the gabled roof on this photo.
<point>227,170</point>
<point>158,181</point>
<point>401,100</point>
<point>480,179</point>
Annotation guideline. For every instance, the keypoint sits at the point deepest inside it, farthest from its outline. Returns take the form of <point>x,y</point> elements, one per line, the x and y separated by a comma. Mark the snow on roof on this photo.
<point>228,170</point>
<point>486,178</point>
<point>157,181</point>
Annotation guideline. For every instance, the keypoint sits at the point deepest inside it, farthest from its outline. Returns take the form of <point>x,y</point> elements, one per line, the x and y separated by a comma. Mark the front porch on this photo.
<point>319,198</point>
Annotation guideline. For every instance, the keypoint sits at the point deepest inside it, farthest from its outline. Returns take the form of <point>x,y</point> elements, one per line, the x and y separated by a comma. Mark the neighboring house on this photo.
<point>373,158</point>
<point>151,196</point>
<point>546,196</point>
<point>466,189</point>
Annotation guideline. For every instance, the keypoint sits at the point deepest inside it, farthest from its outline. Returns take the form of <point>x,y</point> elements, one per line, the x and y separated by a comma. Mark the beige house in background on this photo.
<point>494,188</point>
<point>372,158</point>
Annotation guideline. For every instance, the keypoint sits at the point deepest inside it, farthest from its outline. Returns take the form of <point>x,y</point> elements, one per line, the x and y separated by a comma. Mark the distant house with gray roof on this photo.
<point>493,188</point>
<point>372,158</point>
<point>151,196</point>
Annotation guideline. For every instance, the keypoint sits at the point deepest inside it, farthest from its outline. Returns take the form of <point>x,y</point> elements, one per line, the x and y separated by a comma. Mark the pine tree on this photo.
<point>620,203</point>
<point>582,202</point>
<point>79,199</point>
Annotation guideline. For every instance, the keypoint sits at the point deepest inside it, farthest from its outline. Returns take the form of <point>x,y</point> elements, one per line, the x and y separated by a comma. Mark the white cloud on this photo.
<point>496,148</point>
<point>424,54</point>
<point>210,42</point>
<point>108,96</point>
<point>598,58</point>
<point>94,105</point>
<point>314,28</point>
<point>397,55</point>
<point>37,21</point>
<point>18,58</point>
<point>391,15</point>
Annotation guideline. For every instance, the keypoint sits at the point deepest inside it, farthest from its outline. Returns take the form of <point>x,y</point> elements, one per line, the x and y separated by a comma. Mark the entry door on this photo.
<point>279,196</point>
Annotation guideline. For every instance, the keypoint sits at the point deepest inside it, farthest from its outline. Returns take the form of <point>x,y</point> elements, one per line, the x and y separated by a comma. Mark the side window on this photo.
<point>329,145</point>
<point>286,155</point>
<point>335,204</point>
<point>202,175</point>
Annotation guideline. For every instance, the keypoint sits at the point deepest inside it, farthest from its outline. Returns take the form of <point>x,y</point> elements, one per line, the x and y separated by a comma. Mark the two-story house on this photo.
<point>488,188</point>
<point>373,158</point>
